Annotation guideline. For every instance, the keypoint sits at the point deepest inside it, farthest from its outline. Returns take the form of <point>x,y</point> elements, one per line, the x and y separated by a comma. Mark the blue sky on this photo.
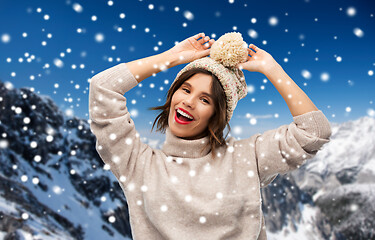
<point>327,49</point>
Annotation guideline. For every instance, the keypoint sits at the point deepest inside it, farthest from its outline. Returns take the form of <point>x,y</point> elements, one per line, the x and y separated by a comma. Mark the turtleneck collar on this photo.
<point>178,147</point>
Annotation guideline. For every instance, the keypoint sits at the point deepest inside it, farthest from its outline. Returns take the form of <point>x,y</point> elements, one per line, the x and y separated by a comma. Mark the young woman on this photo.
<point>200,185</point>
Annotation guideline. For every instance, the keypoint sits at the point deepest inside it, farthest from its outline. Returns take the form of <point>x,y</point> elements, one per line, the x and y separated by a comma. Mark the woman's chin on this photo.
<point>178,132</point>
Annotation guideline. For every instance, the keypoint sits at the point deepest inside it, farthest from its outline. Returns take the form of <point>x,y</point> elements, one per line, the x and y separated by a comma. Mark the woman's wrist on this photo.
<point>271,68</point>
<point>171,59</point>
<point>145,67</point>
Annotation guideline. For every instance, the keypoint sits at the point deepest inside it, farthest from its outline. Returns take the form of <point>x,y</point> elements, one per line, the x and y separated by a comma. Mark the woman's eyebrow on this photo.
<point>189,85</point>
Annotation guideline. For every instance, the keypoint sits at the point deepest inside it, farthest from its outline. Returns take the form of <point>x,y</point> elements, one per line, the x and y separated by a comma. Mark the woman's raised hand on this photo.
<point>191,48</point>
<point>259,61</point>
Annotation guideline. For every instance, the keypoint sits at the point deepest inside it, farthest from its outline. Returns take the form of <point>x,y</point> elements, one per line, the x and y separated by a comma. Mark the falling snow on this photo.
<point>273,21</point>
<point>59,64</point>
<point>306,74</point>
<point>77,7</point>
<point>5,38</point>
<point>252,33</point>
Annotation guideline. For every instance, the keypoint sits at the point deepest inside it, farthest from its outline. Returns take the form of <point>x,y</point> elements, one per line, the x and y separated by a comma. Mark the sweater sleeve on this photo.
<point>117,141</point>
<point>289,146</point>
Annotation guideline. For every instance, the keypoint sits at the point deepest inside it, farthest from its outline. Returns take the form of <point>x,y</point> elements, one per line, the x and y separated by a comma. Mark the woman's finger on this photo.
<point>249,57</point>
<point>209,43</point>
<point>254,47</point>
<point>203,40</point>
<point>198,36</point>
<point>251,52</point>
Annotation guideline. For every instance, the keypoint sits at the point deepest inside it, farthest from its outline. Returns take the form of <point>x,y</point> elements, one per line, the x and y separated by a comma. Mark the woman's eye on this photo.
<point>187,90</point>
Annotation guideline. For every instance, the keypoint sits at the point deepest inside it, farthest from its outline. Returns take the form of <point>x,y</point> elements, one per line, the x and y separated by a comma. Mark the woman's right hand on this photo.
<point>258,61</point>
<point>191,48</point>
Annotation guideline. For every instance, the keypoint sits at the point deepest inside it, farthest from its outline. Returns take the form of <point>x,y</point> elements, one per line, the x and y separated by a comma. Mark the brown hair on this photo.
<point>217,122</point>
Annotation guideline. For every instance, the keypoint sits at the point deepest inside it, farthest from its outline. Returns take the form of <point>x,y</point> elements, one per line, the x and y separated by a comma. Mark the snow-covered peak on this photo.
<point>350,153</point>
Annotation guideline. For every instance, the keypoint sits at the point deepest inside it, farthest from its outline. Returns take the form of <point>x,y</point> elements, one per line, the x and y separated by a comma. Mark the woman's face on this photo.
<point>193,98</point>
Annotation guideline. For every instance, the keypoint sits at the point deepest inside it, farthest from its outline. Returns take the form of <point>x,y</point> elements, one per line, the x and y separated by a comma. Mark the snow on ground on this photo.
<point>2,235</point>
<point>7,207</point>
<point>58,198</point>
<point>305,229</point>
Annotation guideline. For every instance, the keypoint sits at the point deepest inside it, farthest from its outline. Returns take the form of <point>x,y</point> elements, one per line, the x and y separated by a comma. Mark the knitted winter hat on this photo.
<point>225,54</point>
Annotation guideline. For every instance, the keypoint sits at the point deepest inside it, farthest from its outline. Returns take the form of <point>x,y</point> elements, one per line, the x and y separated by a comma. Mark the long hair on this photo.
<point>217,123</point>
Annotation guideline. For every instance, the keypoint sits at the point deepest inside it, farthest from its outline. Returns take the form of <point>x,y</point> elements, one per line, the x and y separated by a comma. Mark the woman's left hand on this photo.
<point>259,61</point>
<point>191,48</point>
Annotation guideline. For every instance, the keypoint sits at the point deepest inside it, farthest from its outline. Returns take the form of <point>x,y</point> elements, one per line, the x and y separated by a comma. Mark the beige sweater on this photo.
<point>179,193</point>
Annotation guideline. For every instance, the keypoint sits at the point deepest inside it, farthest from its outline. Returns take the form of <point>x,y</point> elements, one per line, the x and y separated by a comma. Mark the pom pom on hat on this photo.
<point>229,50</point>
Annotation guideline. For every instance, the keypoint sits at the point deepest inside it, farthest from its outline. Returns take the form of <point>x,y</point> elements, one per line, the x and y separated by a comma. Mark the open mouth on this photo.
<point>182,119</point>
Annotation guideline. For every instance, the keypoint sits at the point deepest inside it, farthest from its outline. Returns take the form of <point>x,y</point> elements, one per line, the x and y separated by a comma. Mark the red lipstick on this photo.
<point>180,121</point>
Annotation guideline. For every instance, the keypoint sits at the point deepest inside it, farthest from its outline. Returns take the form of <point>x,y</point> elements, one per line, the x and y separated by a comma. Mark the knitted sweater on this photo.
<point>179,192</point>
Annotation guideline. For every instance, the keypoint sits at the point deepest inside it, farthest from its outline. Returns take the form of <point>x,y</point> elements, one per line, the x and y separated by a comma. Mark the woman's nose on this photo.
<point>189,101</point>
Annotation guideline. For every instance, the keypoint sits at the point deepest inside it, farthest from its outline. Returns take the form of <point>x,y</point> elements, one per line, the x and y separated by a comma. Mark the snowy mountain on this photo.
<point>53,185</point>
<point>52,182</point>
<point>341,180</point>
<point>332,196</point>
